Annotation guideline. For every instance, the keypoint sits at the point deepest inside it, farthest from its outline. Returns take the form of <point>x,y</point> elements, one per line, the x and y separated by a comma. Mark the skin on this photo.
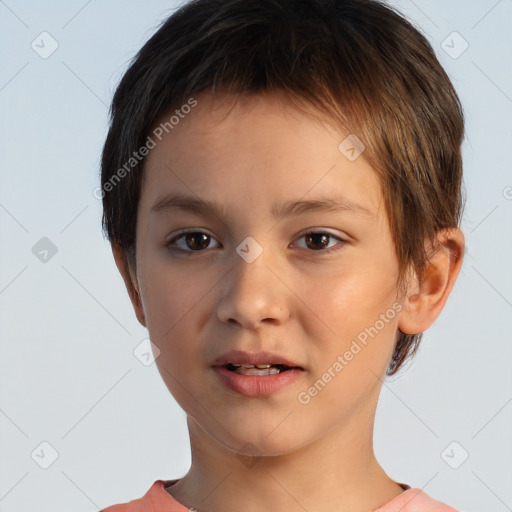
<point>294,299</point>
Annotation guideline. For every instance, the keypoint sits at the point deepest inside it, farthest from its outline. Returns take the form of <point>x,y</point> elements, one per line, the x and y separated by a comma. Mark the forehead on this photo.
<point>253,149</point>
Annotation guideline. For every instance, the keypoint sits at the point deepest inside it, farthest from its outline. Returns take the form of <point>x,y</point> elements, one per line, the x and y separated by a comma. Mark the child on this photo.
<point>281,186</point>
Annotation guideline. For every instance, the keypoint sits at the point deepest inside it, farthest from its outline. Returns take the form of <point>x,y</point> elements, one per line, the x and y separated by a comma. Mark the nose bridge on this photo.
<point>252,292</point>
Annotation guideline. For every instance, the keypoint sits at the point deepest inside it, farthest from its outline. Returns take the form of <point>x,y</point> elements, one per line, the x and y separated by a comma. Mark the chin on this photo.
<point>261,439</point>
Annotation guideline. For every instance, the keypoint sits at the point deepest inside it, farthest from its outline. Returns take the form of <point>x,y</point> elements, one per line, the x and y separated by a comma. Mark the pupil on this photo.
<point>199,240</point>
<point>314,237</point>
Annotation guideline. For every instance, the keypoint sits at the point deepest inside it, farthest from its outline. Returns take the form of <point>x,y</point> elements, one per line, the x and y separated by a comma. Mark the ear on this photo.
<point>427,294</point>
<point>130,281</point>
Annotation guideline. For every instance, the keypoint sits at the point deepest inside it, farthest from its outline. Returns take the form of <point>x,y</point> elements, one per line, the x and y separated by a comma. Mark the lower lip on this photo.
<point>256,385</point>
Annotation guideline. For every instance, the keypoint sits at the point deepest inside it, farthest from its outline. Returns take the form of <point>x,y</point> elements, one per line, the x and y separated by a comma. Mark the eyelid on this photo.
<point>184,231</point>
<point>327,231</point>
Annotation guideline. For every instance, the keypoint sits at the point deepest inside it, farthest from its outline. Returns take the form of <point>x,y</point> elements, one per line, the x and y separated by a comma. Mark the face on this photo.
<point>293,257</point>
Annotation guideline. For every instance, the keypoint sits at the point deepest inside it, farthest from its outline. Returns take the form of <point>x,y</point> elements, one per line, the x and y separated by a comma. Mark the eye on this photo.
<point>191,241</point>
<point>320,241</point>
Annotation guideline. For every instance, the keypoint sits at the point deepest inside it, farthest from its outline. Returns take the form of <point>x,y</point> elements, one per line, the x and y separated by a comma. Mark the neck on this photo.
<point>335,473</point>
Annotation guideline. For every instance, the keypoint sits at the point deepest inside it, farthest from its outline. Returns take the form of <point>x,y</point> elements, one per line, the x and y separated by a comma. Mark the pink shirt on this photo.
<point>157,499</point>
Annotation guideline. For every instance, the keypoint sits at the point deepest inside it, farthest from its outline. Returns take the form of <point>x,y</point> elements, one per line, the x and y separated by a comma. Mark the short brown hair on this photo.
<point>357,62</point>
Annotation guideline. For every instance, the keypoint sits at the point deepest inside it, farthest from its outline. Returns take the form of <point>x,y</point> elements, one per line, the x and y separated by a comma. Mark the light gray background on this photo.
<point>69,375</point>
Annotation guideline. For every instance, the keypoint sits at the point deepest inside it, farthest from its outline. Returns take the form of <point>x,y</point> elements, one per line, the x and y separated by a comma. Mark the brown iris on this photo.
<point>197,240</point>
<point>317,238</point>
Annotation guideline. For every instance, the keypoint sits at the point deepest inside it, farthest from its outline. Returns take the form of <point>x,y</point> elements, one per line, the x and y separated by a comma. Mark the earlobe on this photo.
<point>130,281</point>
<point>427,294</point>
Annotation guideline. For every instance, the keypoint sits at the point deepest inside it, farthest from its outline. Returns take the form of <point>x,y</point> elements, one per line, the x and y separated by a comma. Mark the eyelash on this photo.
<point>171,243</point>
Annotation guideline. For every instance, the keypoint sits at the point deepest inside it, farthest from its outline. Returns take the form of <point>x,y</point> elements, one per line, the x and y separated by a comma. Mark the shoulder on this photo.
<point>137,505</point>
<point>155,500</point>
<point>132,506</point>
<point>415,500</point>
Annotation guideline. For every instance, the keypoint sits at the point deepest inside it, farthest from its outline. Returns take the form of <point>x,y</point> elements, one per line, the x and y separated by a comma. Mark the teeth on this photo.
<point>257,371</point>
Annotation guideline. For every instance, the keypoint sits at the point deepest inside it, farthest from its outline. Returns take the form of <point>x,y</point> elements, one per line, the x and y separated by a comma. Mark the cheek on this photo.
<point>348,362</point>
<point>355,307</point>
<point>352,297</point>
<point>172,304</point>
<point>171,296</point>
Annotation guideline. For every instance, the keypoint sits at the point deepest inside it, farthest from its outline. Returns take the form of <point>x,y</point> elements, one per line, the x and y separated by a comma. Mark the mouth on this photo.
<point>256,374</point>
<point>241,361</point>
<point>259,369</point>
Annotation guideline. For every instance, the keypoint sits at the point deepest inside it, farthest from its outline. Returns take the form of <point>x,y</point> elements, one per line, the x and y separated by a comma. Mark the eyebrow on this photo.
<point>287,209</point>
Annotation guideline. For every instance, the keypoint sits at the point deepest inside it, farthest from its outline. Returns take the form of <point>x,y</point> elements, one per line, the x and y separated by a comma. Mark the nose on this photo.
<point>253,295</point>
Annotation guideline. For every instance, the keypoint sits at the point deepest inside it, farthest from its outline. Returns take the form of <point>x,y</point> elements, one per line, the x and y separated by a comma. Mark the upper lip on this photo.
<point>242,357</point>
